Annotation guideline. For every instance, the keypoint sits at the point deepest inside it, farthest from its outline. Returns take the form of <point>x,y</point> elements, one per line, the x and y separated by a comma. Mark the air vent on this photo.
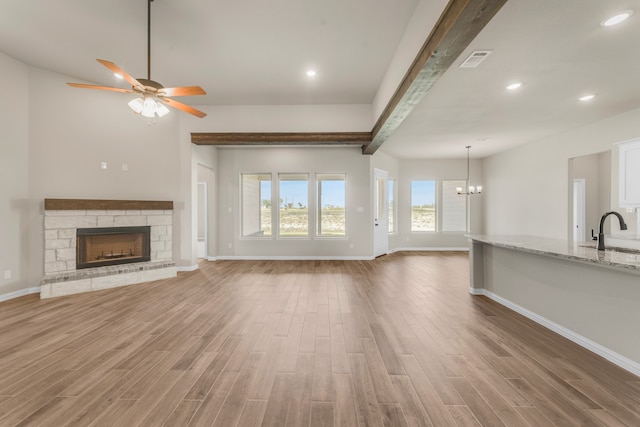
<point>475,58</point>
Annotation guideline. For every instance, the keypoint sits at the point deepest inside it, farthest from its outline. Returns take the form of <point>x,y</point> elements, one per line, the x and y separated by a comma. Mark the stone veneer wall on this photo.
<point>63,217</point>
<point>60,233</point>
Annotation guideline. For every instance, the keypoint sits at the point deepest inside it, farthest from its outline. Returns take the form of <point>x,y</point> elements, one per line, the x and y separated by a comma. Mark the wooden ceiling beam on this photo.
<point>459,24</point>
<point>281,138</point>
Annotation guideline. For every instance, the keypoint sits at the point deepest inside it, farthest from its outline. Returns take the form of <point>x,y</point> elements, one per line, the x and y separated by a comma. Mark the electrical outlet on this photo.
<point>7,274</point>
<point>229,245</point>
<point>125,167</point>
<point>103,165</point>
<point>351,245</point>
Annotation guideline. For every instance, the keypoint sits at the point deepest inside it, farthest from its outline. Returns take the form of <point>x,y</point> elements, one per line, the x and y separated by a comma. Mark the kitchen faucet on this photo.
<point>623,226</point>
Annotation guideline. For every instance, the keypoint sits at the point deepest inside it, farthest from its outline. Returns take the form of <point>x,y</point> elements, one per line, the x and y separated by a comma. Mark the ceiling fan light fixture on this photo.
<point>161,110</point>
<point>136,105</point>
<point>149,107</point>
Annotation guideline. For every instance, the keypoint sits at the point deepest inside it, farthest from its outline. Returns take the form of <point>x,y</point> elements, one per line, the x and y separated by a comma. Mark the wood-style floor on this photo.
<point>397,341</point>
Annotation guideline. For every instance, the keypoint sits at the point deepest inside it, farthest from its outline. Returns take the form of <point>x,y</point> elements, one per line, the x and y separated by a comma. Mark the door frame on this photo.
<point>579,210</point>
<point>380,223</point>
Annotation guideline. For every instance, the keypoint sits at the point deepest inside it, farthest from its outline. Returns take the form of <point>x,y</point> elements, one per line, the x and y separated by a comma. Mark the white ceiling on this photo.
<point>256,52</point>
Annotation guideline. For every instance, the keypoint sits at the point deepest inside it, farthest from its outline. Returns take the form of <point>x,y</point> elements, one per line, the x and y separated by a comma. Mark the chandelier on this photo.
<point>470,189</point>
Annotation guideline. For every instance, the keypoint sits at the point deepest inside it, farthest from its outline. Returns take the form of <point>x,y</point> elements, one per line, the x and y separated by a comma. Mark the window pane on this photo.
<point>423,206</point>
<point>331,205</point>
<point>294,205</point>
<point>454,206</point>
<point>256,205</point>
<point>392,210</point>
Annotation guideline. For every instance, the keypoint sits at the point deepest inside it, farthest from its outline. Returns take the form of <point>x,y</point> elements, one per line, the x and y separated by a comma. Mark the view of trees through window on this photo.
<point>331,219</point>
<point>423,205</point>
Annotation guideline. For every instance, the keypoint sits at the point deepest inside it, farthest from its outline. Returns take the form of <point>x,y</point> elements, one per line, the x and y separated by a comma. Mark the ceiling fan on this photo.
<point>154,96</point>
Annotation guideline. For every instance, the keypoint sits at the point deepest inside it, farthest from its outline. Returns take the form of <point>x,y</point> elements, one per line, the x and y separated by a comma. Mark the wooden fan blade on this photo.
<point>113,89</point>
<point>113,67</point>
<point>184,107</point>
<point>182,91</point>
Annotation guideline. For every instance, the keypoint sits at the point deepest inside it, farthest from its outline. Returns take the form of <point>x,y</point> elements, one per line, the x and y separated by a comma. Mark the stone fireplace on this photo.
<point>99,244</point>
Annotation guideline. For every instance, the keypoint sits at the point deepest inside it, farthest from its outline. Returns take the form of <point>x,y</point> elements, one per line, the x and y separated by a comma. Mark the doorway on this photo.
<point>579,210</point>
<point>380,212</point>
<point>202,226</point>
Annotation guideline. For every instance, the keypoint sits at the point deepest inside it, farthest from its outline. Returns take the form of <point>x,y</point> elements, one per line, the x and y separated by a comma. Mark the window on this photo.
<point>331,220</point>
<point>392,206</point>
<point>256,205</point>
<point>454,206</point>
<point>294,205</point>
<point>423,206</point>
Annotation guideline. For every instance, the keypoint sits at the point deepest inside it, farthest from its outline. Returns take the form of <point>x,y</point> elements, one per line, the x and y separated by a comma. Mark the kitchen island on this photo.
<point>590,297</point>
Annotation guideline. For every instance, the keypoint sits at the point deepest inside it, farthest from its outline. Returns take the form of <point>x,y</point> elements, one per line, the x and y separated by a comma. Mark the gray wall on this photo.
<point>527,187</point>
<point>54,137</point>
<point>234,161</point>
<point>14,176</point>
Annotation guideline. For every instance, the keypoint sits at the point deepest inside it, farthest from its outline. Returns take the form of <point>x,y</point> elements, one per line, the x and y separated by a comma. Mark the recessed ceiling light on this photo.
<point>588,97</point>
<point>513,86</point>
<point>118,75</point>
<point>617,18</point>
<point>311,73</point>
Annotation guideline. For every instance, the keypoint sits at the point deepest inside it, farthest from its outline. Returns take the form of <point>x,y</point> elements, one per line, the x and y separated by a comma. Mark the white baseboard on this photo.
<point>294,258</point>
<point>187,268</point>
<point>430,249</point>
<point>212,258</point>
<point>613,357</point>
<point>19,293</point>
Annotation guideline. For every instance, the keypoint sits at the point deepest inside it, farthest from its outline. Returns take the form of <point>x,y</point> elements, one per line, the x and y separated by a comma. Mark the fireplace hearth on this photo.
<point>98,247</point>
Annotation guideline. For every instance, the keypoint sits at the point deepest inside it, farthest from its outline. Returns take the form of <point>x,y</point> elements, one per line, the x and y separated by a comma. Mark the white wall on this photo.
<point>526,188</point>
<point>14,175</point>
<point>234,161</point>
<point>411,170</point>
<point>71,131</point>
<point>251,118</point>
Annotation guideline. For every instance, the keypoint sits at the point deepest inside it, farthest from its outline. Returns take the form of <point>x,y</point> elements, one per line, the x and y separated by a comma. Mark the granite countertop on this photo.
<point>562,249</point>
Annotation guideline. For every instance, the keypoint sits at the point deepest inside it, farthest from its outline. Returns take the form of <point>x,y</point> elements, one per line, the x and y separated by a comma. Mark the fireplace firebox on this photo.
<point>97,247</point>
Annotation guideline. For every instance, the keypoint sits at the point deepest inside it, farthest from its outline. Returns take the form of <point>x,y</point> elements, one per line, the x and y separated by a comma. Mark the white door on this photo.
<point>579,209</point>
<point>380,212</point>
